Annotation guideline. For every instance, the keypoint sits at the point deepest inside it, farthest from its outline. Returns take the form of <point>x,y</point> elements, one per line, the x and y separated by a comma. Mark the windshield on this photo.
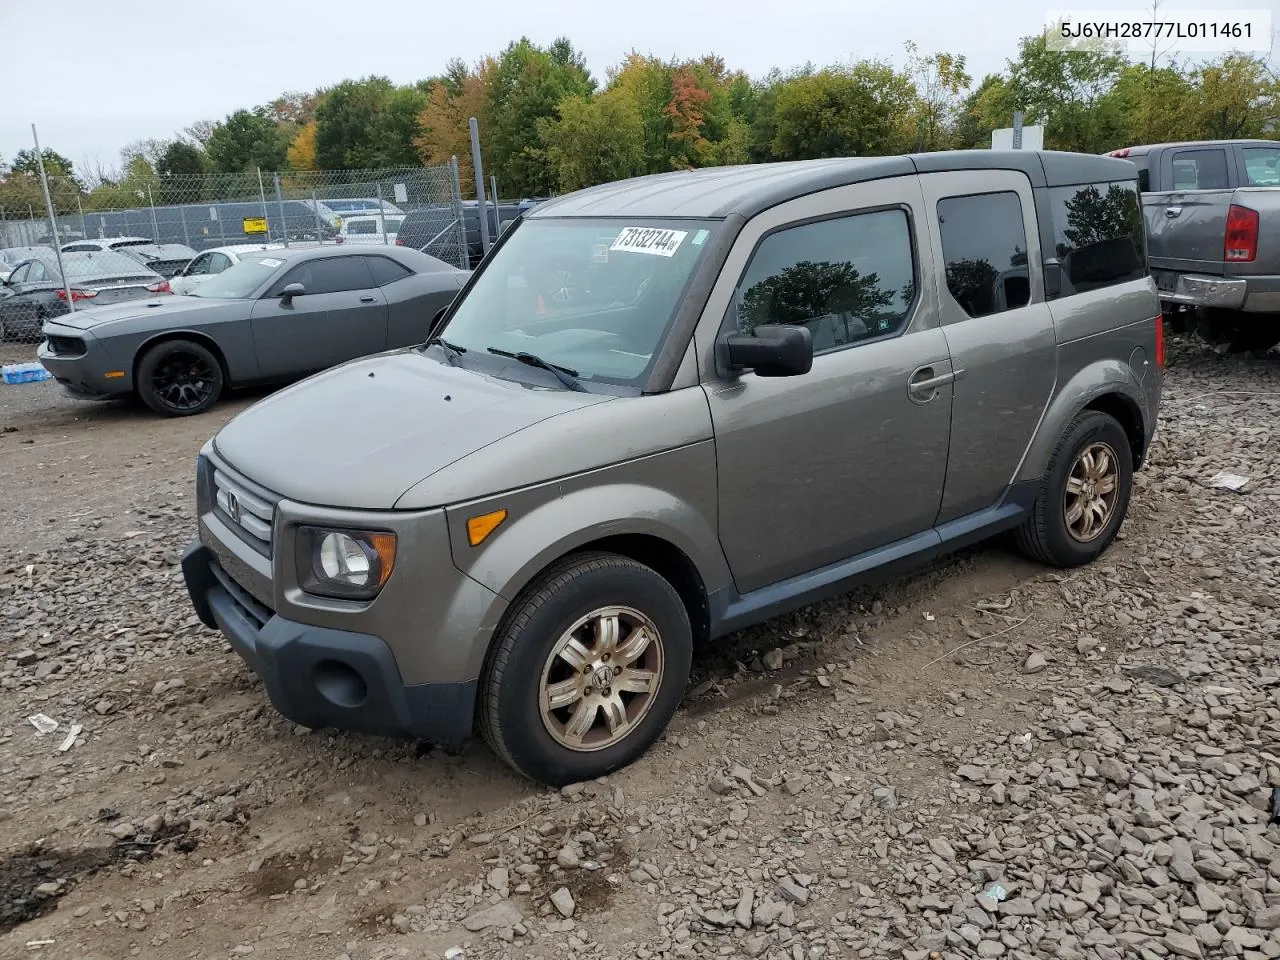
<point>240,280</point>
<point>595,296</point>
<point>1260,164</point>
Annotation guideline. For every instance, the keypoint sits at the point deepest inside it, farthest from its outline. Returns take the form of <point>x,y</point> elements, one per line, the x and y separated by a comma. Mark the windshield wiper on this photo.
<point>566,376</point>
<point>451,350</point>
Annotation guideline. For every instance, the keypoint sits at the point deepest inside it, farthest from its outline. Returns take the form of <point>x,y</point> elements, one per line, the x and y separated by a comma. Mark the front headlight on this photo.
<point>344,564</point>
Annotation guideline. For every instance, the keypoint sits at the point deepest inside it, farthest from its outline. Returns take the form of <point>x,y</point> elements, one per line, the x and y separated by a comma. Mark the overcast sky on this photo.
<point>95,75</point>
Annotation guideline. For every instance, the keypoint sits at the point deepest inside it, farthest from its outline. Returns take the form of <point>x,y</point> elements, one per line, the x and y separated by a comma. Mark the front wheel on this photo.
<point>179,378</point>
<point>1084,496</point>
<point>587,671</point>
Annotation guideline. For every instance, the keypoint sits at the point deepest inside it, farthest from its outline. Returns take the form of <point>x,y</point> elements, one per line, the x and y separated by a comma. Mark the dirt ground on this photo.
<point>984,759</point>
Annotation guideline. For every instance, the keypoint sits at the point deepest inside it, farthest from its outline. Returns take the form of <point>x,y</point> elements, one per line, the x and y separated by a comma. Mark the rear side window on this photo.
<point>36,273</point>
<point>847,279</point>
<point>1200,170</point>
<point>984,243</point>
<point>218,262</point>
<point>1098,235</point>
<point>385,270</point>
<point>1262,166</point>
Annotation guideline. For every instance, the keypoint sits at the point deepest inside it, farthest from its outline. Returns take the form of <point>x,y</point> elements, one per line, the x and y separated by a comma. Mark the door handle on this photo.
<point>1172,212</point>
<point>368,299</point>
<point>925,381</point>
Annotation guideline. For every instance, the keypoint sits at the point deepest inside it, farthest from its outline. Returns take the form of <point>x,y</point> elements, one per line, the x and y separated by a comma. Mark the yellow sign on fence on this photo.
<point>255,224</point>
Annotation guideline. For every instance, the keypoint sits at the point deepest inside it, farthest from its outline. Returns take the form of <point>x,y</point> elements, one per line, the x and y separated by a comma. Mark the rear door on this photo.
<point>1188,237</point>
<point>997,325</point>
<point>342,315</point>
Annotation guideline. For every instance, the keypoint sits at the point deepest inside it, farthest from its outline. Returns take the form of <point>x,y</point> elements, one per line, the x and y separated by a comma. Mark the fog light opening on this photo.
<point>340,684</point>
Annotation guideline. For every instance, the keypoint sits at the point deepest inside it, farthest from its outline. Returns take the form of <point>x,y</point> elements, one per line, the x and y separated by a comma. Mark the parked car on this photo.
<point>760,386</point>
<point>1212,211</point>
<point>274,316</point>
<point>166,259</point>
<point>433,229</point>
<point>372,229</point>
<point>108,243</point>
<point>212,262</point>
<point>35,289</point>
<point>10,257</point>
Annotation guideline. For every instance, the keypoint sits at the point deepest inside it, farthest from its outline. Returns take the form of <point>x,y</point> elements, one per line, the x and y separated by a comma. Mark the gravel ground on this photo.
<point>987,759</point>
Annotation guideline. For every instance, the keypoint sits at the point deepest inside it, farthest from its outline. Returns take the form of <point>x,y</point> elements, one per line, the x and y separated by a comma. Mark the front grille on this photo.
<point>247,513</point>
<point>66,346</point>
<point>258,612</point>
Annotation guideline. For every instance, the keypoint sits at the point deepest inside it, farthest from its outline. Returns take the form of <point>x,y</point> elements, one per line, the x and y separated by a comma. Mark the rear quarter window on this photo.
<point>1098,235</point>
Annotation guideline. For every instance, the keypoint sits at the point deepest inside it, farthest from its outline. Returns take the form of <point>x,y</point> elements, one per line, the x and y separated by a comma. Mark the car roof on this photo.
<point>1245,142</point>
<point>109,240</point>
<point>244,248</point>
<point>415,260</point>
<point>717,192</point>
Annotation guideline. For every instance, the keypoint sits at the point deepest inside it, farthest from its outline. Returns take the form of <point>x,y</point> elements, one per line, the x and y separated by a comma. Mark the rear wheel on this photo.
<point>1084,496</point>
<point>1239,331</point>
<point>179,378</point>
<point>587,671</point>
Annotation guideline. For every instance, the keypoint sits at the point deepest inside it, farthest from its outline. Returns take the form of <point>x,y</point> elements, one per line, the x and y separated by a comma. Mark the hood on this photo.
<point>362,434</point>
<point>165,305</point>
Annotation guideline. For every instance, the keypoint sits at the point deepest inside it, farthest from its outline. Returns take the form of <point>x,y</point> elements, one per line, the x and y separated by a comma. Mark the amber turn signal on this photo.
<point>479,528</point>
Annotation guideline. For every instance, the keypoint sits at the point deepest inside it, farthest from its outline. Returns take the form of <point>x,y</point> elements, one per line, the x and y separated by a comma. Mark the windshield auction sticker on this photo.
<point>663,243</point>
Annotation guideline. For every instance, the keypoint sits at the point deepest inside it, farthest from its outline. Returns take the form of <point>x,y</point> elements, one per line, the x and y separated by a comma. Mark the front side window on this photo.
<point>594,295</point>
<point>1098,235</point>
<point>241,280</point>
<point>1200,170</point>
<point>331,275</point>
<point>984,243</point>
<point>200,265</point>
<point>20,275</point>
<point>846,279</point>
<point>1262,166</point>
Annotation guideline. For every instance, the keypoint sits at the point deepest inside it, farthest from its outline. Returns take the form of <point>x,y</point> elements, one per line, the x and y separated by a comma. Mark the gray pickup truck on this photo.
<point>1212,211</point>
<point>668,408</point>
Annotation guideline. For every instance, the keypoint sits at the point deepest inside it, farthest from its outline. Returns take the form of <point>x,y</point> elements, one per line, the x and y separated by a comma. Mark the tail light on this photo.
<point>1160,342</point>
<point>161,287</point>
<point>338,238</point>
<point>77,294</point>
<point>1241,245</point>
<point>399,242</point>
<point>1120,153</point>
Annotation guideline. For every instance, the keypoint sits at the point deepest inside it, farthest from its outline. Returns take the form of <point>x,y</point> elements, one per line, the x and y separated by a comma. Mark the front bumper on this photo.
<point>321,677</point>
<point>83,375</point>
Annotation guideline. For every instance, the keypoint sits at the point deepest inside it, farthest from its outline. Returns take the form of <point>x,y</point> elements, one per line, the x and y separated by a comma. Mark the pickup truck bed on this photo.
<point>1212,213</point>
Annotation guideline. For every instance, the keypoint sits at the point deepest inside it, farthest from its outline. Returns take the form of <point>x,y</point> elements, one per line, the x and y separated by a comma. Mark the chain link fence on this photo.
<point>179,215</point>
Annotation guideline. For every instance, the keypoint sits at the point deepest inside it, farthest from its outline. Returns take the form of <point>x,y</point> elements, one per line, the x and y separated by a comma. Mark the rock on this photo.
<point>793,891</point>
<point>499,878</point>
<point>773,659</point>
<point>1034,663</point>
<point>1208,898</point>
<point>504,914</point>
<point>1267,919</point>
<point>164,686</point>
<point>48,889</point>
<point>742,912</point>
<point>562,900</point>
<point>942,848</point>
<point>124,830</point>
<point>24,658</point>
<point>755,946</point>
<point>568,858</point>
<point>1182,945</point>
<point>1109,768</point>
<point>1243,937</point>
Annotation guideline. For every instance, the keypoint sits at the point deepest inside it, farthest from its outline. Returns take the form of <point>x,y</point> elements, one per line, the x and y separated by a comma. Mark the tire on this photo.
<point>1215,326</point>
<point>1047,536</point>
<point>1259,332</point>
<point>179,378</point>
<point>524,660</point>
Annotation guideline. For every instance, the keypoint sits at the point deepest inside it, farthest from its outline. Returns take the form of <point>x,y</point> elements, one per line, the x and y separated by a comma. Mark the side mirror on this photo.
<point>292,290</point>
<point>772,350</point>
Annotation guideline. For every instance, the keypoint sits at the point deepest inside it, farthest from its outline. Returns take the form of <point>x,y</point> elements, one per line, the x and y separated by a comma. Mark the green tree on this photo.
<point>646,81</point>
<point>940,80</point>
<point>244,140</point>
<point>1155,104</point>
<point>21,194</point>
<point>841,112</point>
<point>55,164</point>
<point>595,140</point>
<point>1068,92</point>
<point>527,87</point>
<point>1234,96</point>
<point>181,170</point>
<point>989,107</point>
<point>368,123</point>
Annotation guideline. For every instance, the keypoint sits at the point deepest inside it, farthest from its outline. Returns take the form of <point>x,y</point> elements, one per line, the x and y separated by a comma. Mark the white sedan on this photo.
<point>212,262</point>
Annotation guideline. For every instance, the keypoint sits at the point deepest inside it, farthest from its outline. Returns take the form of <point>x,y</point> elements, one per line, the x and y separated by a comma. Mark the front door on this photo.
<point>998,328</point>
<point>341,316</point>
<point>818,468</point>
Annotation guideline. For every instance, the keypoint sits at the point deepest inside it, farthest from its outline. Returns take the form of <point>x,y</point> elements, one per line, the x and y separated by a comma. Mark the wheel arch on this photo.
<point>157,339</point>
